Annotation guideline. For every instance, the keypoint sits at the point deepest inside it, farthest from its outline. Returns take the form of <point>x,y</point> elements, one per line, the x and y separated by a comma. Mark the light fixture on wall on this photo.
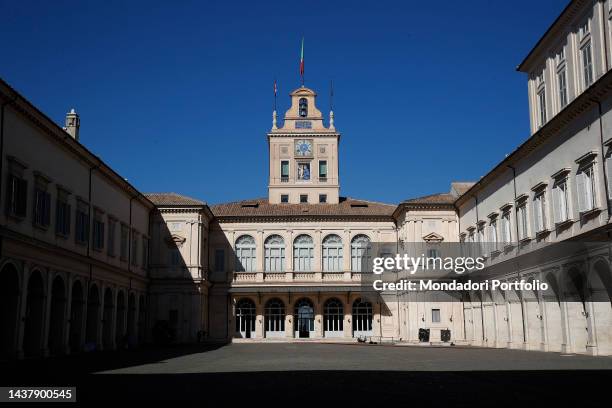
<point>450,318</point>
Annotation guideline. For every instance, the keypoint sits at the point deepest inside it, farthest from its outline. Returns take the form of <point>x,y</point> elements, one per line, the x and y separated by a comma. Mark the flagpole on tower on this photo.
<point>274,126</point>
<point>302,62</point>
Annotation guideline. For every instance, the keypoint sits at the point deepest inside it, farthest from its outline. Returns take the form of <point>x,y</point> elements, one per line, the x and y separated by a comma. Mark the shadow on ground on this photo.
<point>351,388</point>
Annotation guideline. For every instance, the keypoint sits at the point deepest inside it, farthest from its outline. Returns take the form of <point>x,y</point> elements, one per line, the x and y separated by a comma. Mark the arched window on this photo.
<point>245,253</point>
<point>275,318</point>
<point>333,318</point>
<point>303,318</point>
<point>274,249</point>
<point>332,253</point>
<point>361,257</point>
<point>303,253</point>
<point>303,107</point>
<point>362,318</point>
<point>245,318</point>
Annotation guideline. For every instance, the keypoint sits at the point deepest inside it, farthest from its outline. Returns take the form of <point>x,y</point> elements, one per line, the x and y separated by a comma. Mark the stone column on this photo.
<point>136,321</point>
<point>289,323</point>
<point>348,317</point>
<point>22,312</point>
<point>289,251</point>
<point>318,256</point>
<point>259,319</point>
<point>68,320</point>
<point>318,318</point>
<point>346,254</point>
<point>44,347</point>
<point>259,241</point>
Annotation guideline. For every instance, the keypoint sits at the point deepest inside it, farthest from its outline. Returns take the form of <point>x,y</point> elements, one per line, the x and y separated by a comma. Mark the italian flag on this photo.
<point>302,59</point>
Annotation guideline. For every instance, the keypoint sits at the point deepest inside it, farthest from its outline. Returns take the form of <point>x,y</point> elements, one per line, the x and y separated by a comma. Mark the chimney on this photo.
<point>72,124</point>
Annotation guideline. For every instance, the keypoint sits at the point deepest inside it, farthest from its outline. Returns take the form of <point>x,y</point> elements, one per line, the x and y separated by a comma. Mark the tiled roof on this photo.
<point>161,199</point>
<point>460,187</point>
<point>433,199</point>
<point>260,207</point>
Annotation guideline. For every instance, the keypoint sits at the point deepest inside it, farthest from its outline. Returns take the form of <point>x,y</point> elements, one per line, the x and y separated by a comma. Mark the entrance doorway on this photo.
<point>245,318</point>
<point>304,318</point>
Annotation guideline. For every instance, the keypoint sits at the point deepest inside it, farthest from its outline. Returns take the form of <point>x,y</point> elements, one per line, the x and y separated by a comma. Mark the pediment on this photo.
<point>175,240</point>
<point>433,237</point>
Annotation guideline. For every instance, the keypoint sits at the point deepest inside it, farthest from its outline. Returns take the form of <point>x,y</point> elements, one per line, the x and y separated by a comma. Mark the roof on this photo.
<point>260,207</point>
<point>459,188</point>
<point>568,11</point>
<point>161,199</point>
<point>434,199</point>
<point>14,99</point>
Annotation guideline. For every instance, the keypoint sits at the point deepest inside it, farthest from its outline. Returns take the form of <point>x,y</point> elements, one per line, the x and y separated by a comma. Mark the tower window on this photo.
<point>284,170</point>
<point>284,198</point>
<point>323,170</point>
<point>303,198</point>
<point>303,107</point>
<point>322,198</point>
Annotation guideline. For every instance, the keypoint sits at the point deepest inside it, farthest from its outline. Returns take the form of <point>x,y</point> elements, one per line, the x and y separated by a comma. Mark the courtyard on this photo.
<point>311,372</point>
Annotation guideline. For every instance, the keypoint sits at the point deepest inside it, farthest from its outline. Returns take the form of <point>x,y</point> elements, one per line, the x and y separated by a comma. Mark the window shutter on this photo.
<point>588,187</point>
<point>67,217</point>
<point>536,214</point>
<point>609,172</point>
<point>47,209</point>
<point>557,204</point>
<point>581,189</point>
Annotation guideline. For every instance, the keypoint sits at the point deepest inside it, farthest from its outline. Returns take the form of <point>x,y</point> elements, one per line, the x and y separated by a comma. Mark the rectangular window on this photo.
<point>284,198</point>
<point>542,106</point>
<point>112,225</point>
<point>322,198</point>
<point>505,228</point>
<point>219,260</point>
<point>98,231</point>
<point>587,65</point>
<point>125,236</point>
<point>435,315</point>
<point>561,79</point>
<point>303,198</point>
<point>17,199</point>
<point>522,221</point>
<point>134,254</point>
<point>539,212</point>
<point>62,213</point>
<point>481,239</point>
<point>323,170</point>
<point>82,223</point>
<point>585,186</point>
<point>42,206</point>
<point>560,200</point>
<point>285,170</point>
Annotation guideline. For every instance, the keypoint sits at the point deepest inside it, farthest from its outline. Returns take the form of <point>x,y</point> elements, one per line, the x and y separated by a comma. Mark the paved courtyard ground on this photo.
<point>306,374</point>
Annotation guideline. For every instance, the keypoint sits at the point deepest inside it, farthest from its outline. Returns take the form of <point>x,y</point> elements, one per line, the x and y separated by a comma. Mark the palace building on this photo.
<point>87,262</point>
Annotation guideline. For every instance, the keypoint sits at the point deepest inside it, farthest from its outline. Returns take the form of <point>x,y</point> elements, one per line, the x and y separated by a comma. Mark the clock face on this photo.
<point>303,148</point>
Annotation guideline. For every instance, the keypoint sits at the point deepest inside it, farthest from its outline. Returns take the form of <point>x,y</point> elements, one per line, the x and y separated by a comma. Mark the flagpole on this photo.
<point>275,94</point>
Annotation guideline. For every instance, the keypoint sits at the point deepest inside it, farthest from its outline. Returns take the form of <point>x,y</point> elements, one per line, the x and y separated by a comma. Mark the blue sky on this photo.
<point>177,96</point>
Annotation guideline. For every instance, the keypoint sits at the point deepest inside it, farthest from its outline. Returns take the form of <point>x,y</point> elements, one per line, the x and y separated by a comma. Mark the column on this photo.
<point>44,347</point>
<point>289,329</point>
<point>348,317</point>
<point>289,251</point>
<point>318,256</point>
<point>259,319</point>
<point>68,320</point>
<point>22,312</point>
<point>136,322</point>
<point>346,254</point>
<point>318,318</point>
<point>261,253</point>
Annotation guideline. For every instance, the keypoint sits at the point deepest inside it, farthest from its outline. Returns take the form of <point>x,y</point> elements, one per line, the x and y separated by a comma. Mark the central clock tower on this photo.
<point>303,154</point>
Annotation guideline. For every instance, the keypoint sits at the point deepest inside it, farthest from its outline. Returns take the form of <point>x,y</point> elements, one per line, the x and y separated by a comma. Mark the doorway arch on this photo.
<point>9,309</point>
<point>57,315</point>
<point>77,304</point>
<point>107,319</point>
<point>362,318</point>
<point>303,318</point>
<point>35,306</point>
<point>333,318</point>
<point>275,318</point>
<point>245,318</point>
<point>120,339</point>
